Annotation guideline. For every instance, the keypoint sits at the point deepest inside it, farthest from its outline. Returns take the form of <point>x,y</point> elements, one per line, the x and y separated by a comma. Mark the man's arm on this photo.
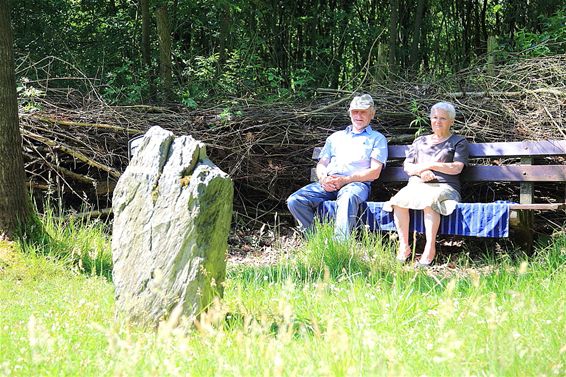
<point>322,175</point>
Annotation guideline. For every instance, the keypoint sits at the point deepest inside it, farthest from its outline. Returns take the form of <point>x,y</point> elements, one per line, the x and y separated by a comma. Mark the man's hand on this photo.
<point>328,184</point>
<point>334,182</point>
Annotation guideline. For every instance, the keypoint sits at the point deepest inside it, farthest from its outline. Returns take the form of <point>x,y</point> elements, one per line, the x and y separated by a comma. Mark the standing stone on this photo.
<point>172,213</point>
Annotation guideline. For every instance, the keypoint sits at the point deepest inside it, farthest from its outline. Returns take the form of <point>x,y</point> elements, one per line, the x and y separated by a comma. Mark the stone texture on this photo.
<point>172,213</point>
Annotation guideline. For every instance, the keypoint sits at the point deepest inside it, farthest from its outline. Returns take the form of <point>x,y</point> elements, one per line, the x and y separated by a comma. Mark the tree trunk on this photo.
<point>483,25</point>
<point>146,46</point>
<point>15,204</point>
<point>393,22</point>
<point>146,50</point>
<point>165,66</point>
<point>224,40</point>
<point>417,45</point>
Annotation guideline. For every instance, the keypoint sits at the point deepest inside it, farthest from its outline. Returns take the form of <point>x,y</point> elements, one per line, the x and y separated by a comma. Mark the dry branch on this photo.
<point>266,147</point>
<point>78,155</point>
<point>80,124</point>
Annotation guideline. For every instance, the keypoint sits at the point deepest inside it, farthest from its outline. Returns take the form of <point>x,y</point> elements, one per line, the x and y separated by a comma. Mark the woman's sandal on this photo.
<point>403,258</point>
<point>419,264</point>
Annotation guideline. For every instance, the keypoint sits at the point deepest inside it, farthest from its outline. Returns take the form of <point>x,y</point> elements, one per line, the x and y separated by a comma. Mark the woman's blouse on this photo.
<point>453,149</point>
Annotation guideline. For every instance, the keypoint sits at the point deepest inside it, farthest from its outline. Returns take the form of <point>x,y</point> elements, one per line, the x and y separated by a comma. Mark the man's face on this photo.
<point>361,118</point>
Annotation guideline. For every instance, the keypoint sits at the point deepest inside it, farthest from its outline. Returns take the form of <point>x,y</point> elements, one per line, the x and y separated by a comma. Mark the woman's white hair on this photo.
<point>446,106</point>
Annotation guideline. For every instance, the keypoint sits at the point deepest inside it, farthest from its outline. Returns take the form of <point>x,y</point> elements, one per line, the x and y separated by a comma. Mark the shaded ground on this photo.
<point>261,247</point>
<point>462,256</point>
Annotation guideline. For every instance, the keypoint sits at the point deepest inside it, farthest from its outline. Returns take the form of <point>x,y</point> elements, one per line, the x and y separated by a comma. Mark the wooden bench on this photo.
<point>523,163</point>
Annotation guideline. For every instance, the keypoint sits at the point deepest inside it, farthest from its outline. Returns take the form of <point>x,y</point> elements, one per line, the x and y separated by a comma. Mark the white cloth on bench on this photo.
<point>468,219</point>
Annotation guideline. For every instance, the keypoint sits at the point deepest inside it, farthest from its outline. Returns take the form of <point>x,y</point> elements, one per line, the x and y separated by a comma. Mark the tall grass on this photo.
<point>81,243</point>
<point>330,309</point>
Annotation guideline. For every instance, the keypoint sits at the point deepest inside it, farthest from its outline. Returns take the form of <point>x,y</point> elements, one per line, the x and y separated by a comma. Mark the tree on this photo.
<point>146,47</point>
<point>415,50</point>
<point>165,64</point>
<point>394,19</point>
<point>15,205</point>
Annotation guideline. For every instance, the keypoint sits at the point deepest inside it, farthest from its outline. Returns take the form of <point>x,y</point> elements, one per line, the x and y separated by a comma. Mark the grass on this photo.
<point>332,309</point>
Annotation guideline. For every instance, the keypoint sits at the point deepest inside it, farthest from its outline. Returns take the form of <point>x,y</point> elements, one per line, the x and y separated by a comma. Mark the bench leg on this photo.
<point>523,230</point>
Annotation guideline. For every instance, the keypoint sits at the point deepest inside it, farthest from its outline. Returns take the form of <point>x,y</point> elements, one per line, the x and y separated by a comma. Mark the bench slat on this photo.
<point>491,150</point>
<point>479,173</point>
<point>515,173</point>
<point>538,206</point>
<point>518,149</point>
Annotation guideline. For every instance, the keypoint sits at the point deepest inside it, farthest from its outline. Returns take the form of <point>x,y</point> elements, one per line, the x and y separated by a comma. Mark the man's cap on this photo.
<point>362,102</point>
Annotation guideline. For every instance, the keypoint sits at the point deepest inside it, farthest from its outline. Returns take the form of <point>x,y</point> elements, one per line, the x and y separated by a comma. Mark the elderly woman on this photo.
<point>433,164</point>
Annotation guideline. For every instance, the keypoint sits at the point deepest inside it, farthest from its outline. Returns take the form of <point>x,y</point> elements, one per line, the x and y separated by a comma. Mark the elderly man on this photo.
<point>350,160</point>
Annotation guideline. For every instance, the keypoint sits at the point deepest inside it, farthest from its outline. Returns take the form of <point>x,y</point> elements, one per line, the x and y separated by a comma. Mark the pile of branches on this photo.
<point>75,146</point>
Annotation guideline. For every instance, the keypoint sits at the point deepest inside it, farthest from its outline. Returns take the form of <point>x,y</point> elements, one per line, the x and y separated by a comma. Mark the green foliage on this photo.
<point>420,121</point>
<point>238,76</point>
<point>548,39</point>
<point>124,86</point>
<point>301,80</point>
<point>250,49</point>
<point>27,95</point>
<point>187,100</point>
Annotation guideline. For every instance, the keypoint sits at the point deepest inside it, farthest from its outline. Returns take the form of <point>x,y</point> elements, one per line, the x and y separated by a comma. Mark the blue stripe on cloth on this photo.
<point>468,219</point>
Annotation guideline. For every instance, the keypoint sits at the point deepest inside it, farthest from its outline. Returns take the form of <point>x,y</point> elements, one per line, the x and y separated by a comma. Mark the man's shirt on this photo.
<point>350,152</point>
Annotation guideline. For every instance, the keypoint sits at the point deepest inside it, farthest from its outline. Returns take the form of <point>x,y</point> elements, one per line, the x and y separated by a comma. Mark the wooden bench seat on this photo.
<point>524,163</point>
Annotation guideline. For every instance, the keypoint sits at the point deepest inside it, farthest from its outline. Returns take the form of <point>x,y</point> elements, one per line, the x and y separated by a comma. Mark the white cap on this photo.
<point>362,102</point>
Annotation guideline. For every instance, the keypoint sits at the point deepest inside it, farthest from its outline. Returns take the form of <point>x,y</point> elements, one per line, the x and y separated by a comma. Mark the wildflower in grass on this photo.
<point>475,277</point>
<point>448,346</point>
<point>40,341</point>
<point>451,286</point>
<point>523,267</point>
<point>369,339</point>
<point>277,365</point>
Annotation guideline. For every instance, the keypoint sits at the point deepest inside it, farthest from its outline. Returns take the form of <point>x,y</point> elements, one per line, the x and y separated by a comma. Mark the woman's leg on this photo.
<point>431,222</point>
<point>401,218</point>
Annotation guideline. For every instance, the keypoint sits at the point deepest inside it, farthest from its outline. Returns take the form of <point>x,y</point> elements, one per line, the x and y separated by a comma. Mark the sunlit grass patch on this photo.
<point>80,242</point>
<point>364,253</point>
<point>329,309</point>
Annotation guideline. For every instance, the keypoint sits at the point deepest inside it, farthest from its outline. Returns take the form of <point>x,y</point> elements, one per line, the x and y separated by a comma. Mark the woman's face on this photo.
<point>440,122</point>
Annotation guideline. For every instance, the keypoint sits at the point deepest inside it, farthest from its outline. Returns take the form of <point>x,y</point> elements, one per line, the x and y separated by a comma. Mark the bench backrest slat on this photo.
<point>520,172</point>
<point>479,173</point>
<point>491,150</point>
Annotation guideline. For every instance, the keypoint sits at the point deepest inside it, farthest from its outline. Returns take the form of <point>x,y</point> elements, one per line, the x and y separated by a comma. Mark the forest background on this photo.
<point>262,82</point>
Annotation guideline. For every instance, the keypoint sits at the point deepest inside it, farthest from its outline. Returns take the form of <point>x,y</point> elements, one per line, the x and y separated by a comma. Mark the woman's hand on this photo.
<point>415,169</point>
<point>427,176</point>
<point>451,168</point>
